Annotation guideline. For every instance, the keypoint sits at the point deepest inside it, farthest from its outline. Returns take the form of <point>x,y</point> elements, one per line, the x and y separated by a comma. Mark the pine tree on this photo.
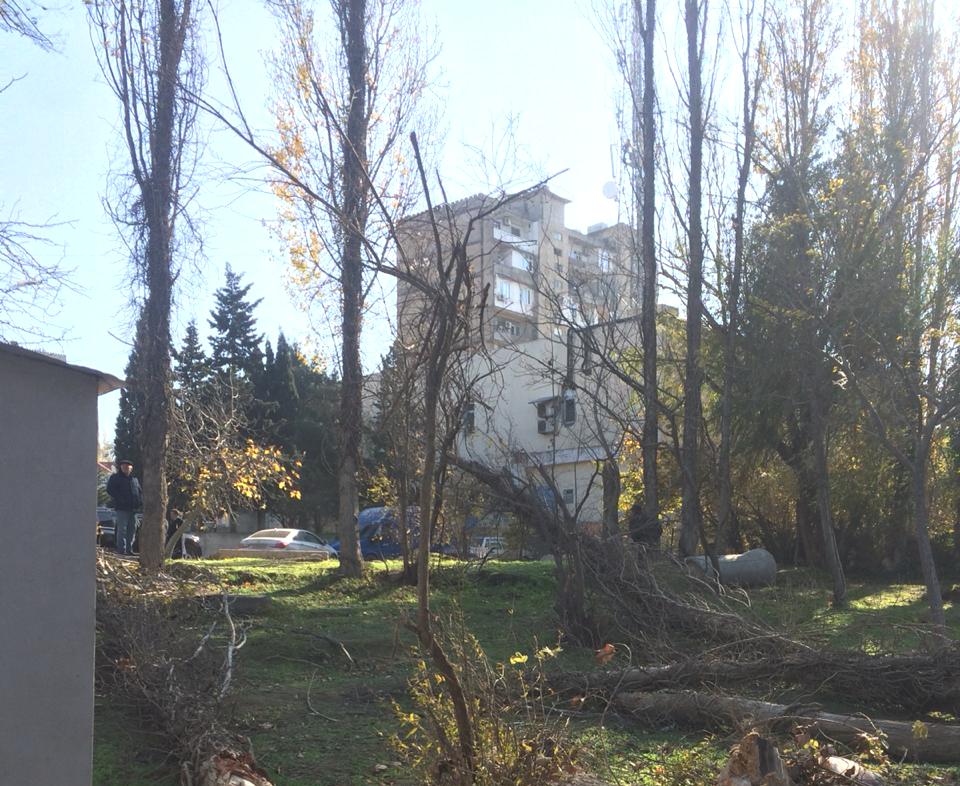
<point>192,367</point>
<point>235,343</point>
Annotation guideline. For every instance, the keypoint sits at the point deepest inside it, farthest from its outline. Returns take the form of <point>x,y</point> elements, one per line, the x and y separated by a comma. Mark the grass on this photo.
<point>879,618</point>
<point>314,717</point>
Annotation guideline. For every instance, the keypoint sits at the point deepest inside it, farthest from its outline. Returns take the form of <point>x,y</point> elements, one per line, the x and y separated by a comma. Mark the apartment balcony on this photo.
<point>505,233</point>
<point>516,260</point>
<point>585,258</point>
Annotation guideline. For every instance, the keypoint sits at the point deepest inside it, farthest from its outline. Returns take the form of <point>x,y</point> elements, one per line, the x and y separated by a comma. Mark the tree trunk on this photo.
<point>354,225</point>
<point>611,498</point>
<point>922,533</point>
<point>648,254</point>
<point>158,199</point>
<point>691,517</point>
<point>941,743</point>
<point>829,540</point>
<point>808,525</point>
<point>728,530</point>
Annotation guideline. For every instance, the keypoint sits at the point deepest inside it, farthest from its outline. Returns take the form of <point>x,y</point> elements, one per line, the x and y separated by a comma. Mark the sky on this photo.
<point>541,64</point>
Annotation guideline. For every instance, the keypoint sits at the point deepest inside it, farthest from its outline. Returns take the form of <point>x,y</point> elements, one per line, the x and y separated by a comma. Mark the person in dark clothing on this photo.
<point>124,490</point>
<point>643,531</point>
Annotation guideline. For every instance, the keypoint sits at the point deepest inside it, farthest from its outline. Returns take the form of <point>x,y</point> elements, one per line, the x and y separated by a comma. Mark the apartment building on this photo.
<point>540,404</point>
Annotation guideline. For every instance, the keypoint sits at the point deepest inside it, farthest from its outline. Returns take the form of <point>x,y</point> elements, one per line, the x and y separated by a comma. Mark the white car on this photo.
<point>486,548</point>
<point>292,539</point>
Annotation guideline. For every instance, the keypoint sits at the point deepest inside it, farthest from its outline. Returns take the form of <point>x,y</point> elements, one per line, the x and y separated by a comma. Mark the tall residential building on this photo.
<point>541,403</point>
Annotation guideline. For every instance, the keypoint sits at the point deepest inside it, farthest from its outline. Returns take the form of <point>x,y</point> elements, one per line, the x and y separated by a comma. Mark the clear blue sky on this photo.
<point>542,61</point>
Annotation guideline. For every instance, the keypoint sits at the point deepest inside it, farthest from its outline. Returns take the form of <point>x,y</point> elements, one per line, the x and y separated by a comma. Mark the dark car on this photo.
<point>106,528</point>
<point>107,535</point>
<point>379,531</point>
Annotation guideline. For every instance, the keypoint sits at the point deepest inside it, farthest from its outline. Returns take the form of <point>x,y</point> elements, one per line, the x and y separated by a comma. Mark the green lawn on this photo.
<point>314,717</point>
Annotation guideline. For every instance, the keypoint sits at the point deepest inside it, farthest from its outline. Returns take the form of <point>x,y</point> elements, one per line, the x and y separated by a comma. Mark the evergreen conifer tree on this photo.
<point>128,429</point>
<point>235,344</point>
<point>193,366</point>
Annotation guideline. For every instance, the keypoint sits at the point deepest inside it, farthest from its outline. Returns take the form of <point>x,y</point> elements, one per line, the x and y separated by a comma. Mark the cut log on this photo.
<point>753,568</point>
<point>935,742</point>
<point>903,683</point>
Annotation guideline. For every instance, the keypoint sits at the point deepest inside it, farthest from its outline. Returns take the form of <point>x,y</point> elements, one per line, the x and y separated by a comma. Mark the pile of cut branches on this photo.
<point>161,645</point>
<point>689,632</point>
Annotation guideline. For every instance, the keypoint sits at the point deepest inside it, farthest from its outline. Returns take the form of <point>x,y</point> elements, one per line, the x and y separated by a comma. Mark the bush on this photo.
<point>519,739</point>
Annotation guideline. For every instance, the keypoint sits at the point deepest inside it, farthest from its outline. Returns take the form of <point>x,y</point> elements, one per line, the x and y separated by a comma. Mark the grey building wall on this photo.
<point>48,438</point>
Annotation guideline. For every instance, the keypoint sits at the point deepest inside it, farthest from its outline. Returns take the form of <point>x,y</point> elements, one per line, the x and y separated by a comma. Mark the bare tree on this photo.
<point>21,18</point>
<point>341,177</point>
<point>29,286</point>
<point>644,189</point>
<point>752,31</point>
<point>149,55</point>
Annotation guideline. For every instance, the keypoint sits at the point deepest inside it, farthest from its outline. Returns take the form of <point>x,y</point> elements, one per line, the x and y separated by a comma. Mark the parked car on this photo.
<point>189,545</point>
<point>379,533</point>
<point>292,539</point>
<point>488,547</point>
<point>106,528</point>
<point>107,535</point>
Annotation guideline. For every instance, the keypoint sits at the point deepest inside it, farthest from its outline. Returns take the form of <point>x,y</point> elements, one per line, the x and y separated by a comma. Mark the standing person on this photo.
<point>124,490</point>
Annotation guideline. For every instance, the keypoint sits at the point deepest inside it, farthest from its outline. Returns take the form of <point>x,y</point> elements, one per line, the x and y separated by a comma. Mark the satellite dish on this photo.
<point>610,190</point>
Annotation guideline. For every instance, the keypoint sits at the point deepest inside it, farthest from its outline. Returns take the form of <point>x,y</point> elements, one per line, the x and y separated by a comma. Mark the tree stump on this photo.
<point>754,761</point>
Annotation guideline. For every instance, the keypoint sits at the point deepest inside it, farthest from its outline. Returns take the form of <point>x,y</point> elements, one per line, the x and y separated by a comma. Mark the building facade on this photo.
<point>540,402</point>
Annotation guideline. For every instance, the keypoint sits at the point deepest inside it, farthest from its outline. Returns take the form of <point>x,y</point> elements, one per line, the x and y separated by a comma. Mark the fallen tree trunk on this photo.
<point>754,568</point>
<point>935,742</point>
<point>908,683</point>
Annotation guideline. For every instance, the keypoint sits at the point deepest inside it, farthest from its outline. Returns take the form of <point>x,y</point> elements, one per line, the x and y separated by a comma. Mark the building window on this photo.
<point>469,417</point>
<point>604,261</point>
<point>526,296</point>
<point>568,497</point>
<point>509,328</point>
<point>503,290</point>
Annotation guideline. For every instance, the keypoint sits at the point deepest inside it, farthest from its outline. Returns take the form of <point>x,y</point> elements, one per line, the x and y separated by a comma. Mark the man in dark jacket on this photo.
<point>124,490</point>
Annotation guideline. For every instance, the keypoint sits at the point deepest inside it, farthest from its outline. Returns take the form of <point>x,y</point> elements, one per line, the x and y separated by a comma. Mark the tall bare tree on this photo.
<point>149,55</point>
<point>753,30</point>
<point>341,176</point>
<point>691,516</point>
<point>643,92</point>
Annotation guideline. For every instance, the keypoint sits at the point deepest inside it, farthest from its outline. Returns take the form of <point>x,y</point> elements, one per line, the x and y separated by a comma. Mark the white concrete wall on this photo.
<point>506,421</point>
<point>48,498</point>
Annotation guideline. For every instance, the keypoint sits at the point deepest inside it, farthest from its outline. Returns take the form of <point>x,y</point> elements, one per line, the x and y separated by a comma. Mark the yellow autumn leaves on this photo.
<point>246,473</point>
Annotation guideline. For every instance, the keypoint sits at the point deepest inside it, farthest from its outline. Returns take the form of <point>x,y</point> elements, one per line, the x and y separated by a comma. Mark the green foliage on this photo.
<point>519,740</point>
<point>300,402</point>
<point>289,656</point>
<point>192,367</point>
<point>235,344</point>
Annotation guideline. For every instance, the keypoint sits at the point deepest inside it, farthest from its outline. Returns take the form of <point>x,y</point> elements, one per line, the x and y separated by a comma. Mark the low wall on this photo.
<point>277,554</point>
